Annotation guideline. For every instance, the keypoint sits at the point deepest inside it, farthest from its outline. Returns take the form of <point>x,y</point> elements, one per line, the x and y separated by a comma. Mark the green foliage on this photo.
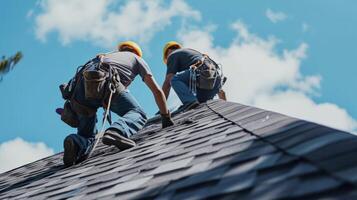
<point>7,64</point>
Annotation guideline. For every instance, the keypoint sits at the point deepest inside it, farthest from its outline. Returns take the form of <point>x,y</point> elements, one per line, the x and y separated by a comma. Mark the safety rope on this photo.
<point>193,74</point>
<point>107,110</point>
<point>112,89</point>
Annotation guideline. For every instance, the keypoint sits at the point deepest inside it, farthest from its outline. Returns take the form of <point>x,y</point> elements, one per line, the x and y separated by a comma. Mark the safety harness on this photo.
<point>204,74</point>
<point>101,82</point>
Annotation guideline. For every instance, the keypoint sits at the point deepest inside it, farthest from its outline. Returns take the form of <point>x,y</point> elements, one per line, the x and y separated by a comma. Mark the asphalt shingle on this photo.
<point>220,150</point>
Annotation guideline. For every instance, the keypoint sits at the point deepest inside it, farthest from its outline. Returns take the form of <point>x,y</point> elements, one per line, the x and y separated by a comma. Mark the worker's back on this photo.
<point>128,64</point>
<point>182,59</point>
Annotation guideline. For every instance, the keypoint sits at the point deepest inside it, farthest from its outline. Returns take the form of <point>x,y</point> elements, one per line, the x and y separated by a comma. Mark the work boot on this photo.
<point>70,152</point>
<point>191,105</point>
<point>187,106</point>
<point>112,137</point>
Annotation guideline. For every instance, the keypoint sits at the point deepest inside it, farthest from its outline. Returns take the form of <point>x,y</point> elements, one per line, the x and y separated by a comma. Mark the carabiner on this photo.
<point>112,88</point>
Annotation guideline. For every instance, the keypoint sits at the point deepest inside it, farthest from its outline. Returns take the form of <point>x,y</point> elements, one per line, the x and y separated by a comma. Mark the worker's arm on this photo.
<point>157,92</point>
<point>167,85</point>
<point>222,95</point>
<point>160,100</point>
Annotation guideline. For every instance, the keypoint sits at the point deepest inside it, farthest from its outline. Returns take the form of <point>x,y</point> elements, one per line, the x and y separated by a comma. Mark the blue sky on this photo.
<point>311,43</point>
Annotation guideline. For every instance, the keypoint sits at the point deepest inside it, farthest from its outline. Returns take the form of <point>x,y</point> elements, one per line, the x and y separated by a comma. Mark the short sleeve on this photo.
<point>142,68</point>
<point>172,64</point>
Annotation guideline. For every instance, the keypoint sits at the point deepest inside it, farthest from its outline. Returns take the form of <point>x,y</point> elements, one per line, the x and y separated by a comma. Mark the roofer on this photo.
<point>101,81</point>
<point>194,76</point>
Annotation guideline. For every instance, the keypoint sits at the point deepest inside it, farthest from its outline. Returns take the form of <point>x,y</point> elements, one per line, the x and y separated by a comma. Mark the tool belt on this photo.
<point>99,80</point>
<point>69,116</point>
<point>204,74</point>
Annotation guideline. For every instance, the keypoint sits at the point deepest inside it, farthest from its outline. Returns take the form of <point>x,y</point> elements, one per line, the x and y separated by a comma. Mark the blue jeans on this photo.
<point>131,118</point>
<point>180,83</point>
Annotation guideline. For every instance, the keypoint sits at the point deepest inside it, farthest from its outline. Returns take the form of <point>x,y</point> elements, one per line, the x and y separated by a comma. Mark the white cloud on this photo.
<point>259,75</point>
<point>298,104</point>
<point>17,152</point>
<point>105,22</point>
<point>275,17</point>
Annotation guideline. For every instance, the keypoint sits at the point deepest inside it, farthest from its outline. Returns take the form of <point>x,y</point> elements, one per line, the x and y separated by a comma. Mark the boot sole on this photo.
<point>192,106</point>
<point>120,142</point>
<point>70,152</point>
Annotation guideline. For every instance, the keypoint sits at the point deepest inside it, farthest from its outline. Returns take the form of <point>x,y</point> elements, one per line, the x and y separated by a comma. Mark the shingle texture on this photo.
<point>221,150</point>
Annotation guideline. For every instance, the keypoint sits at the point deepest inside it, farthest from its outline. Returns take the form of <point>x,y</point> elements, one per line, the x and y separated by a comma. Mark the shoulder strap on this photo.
<point>77,77</point>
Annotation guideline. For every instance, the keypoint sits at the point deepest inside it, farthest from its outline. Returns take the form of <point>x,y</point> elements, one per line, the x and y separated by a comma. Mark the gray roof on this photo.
<point>221,150</point>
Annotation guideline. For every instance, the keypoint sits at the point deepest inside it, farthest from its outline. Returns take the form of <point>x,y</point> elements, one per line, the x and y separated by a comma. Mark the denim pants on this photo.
<point>180,83</point>
<point>131,118</point>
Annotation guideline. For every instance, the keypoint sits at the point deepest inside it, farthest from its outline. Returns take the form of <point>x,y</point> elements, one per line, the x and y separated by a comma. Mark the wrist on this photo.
<point>167,114</point>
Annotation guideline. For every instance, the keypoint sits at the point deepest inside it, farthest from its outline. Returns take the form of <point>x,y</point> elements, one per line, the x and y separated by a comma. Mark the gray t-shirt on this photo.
<point>182,59</point>
<point>129,65</point>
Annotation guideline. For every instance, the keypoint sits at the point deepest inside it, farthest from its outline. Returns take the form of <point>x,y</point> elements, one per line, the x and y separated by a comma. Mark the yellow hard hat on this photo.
<point>133,45</point>
<point>167,46</point>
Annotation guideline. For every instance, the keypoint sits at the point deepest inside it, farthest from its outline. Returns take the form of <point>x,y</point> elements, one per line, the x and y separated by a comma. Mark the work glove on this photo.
<point>166,120</point>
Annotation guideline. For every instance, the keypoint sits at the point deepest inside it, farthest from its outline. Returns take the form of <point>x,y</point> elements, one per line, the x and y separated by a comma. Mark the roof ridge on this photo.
<point>332,175</point>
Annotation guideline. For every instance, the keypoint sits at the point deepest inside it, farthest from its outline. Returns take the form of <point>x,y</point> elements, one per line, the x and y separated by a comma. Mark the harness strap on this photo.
<point>193,81</point>
<point>193,74</point>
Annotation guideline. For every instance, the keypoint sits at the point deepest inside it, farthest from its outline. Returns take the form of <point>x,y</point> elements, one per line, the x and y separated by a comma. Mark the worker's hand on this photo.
<point>166,120</point>
<point>222,95</point>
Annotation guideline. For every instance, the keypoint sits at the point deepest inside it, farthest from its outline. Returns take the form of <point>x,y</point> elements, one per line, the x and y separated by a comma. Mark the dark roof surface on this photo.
<point>221,150</point>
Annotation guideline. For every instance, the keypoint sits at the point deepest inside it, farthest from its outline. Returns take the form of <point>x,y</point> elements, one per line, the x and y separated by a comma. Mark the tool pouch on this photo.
<point>81,109</point>
<point>66,90</point>
<point>95,84</point>
<point>119,87</point>
<point>207,75</point>
<point>68,116</point>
